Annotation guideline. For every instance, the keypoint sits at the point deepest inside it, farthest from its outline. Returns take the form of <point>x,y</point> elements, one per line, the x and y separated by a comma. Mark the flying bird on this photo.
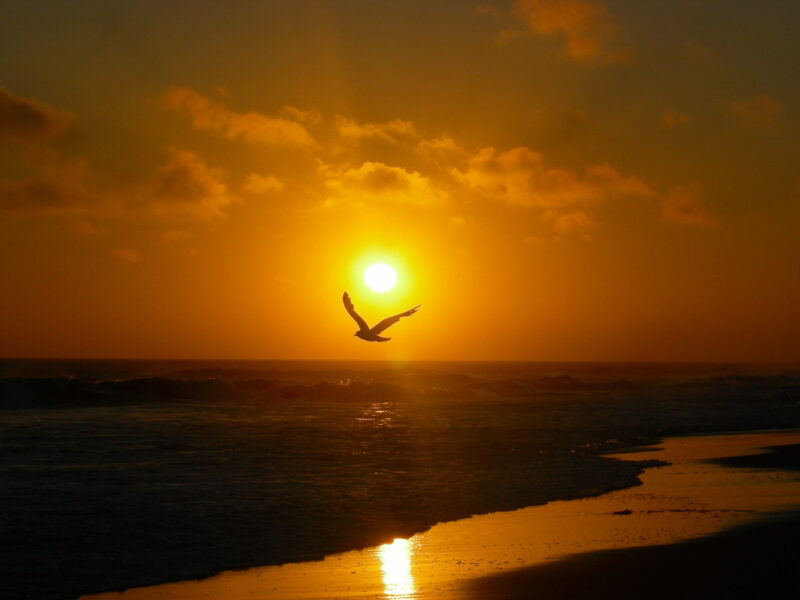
<point>364,331</point>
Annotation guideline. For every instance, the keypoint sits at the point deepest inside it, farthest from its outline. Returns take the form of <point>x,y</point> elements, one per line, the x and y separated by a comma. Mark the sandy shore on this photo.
<point>756,560</point>
<point>613,545</point>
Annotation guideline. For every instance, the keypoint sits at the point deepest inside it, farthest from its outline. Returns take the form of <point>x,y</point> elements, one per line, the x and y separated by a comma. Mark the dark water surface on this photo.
<point>123,473</point>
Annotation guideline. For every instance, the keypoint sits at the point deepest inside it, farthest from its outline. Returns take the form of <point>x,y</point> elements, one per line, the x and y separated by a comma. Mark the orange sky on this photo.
<point>553,179</point>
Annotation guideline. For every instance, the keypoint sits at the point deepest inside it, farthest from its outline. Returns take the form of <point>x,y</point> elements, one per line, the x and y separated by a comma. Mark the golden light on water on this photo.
<point>380,277</point>
<point>398,582</point>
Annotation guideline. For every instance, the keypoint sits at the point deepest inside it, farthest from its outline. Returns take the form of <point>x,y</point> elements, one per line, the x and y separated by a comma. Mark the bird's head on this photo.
<point>358,334</point>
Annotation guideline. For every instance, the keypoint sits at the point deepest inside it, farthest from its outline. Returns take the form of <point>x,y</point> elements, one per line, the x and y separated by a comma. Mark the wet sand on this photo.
<point>756,560</point>
<point>627,542</point>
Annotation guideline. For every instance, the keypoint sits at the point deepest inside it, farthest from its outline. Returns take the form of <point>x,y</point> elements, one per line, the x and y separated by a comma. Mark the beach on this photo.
<point>694,525</point>
<point>757,560</point>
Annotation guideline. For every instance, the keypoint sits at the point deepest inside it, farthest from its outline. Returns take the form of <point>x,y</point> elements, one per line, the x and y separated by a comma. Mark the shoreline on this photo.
<point>754,559</point>
<point>461,558</point>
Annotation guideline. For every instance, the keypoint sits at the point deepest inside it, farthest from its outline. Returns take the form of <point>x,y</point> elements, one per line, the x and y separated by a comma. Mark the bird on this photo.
<point>372,334</point>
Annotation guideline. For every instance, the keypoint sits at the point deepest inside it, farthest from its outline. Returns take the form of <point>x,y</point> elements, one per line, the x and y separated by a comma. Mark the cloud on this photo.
<point>186,185</point>
<point>175,235</point>
<point>255,127</point>
<point>183,185</point>
<point>587,27</point>
<point>698,53</point>
<point>33,195</point>
<point>534,240</point>
<point>608,179</point>
<point>87,228</point>
<point>759,112</point>
<point>518,177</point>
<point>684,205</point>
<point>304,116</point>
<point>374,183</point>
<point>24,120</point>
<point>389,131</point>
<point>439,148</point>
<point>488,9</point>
<point>262,184</point>
<point>126,255</point>
<point>55,188</point>
<point>673,118</point>
<point>571,223</point>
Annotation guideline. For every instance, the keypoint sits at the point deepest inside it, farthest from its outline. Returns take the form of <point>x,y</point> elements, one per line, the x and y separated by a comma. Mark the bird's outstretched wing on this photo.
<point>348,304</point>
<point>389,321</point>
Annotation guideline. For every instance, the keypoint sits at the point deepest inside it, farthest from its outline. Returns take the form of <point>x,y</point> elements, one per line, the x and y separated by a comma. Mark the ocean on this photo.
<point>126,473</point>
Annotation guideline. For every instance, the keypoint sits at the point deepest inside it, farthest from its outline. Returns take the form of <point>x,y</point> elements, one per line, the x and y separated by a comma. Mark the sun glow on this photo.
<point>380,277</point>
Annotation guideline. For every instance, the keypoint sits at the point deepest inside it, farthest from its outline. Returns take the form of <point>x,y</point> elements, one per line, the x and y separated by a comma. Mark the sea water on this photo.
<point>126,473</point>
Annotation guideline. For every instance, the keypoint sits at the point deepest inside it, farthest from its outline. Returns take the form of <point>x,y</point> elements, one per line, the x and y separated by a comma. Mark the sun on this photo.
<point>380,277</point>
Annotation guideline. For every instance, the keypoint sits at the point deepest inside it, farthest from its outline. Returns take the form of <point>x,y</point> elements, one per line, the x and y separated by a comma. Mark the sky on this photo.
<point>552,179</point>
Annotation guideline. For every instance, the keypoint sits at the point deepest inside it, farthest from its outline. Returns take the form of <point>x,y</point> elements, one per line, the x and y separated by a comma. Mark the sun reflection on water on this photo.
<point>398,583</point>
<point>377,414</point>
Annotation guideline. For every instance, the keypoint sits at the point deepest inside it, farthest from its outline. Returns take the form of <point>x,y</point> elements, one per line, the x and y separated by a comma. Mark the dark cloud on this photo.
<point>185,184</point>
<point>35,195</point>
<point>587,27</point>
<point>684,205</point>
<point>760,112</point>
<point>24,120</point>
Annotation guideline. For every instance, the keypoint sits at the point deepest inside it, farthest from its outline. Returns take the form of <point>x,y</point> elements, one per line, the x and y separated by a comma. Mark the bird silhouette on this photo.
<point>372,334</point>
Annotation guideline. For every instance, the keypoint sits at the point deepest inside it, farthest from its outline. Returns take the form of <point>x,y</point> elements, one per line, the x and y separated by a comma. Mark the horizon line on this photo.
<point>420,360</point>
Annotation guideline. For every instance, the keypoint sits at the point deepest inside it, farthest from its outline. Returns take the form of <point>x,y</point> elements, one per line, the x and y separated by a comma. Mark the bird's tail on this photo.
<point>381,339</point>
